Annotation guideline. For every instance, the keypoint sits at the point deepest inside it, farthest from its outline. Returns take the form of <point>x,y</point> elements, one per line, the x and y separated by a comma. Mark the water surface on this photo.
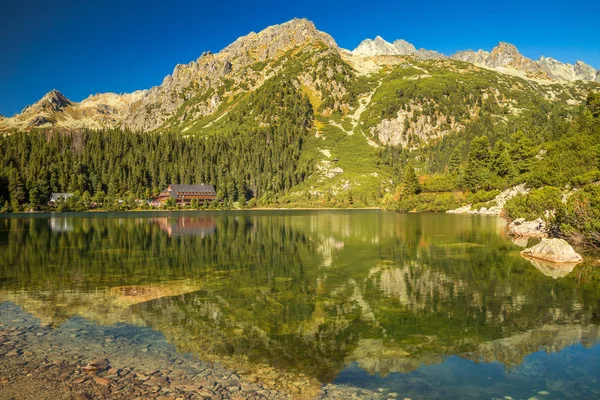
<point>430,306</point>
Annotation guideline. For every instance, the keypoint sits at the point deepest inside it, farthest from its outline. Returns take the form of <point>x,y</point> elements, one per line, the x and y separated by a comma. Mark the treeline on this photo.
<point>244,159</point>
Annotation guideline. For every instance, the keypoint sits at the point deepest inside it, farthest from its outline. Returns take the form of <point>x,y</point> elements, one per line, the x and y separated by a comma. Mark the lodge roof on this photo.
<point>177,189</point>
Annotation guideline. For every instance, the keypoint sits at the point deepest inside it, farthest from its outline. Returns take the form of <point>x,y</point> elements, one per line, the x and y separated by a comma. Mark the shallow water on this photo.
<point>430,306</point>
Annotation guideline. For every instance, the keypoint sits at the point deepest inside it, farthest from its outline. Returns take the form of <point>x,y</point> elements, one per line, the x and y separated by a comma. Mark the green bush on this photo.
<point>580,217</point>
<point>584,179</point>
<point>482,196</point>
<point>428,202</point>
<point>534,204</point>
<point>440,183</point>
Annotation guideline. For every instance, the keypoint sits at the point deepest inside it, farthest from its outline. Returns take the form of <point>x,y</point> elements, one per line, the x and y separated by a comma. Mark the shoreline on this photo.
<point>200,210</point>
<point>81,360</point>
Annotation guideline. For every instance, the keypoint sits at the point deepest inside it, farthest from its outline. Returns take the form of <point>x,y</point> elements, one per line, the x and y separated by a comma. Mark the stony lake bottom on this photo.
<point>303,303</point>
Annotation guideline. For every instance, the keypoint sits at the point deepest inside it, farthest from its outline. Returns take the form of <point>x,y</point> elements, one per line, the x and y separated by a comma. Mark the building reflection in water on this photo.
<point>61,224</point>
<point>187,226</point>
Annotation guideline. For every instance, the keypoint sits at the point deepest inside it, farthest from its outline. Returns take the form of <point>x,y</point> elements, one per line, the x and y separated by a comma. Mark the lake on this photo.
<point>428,306</point>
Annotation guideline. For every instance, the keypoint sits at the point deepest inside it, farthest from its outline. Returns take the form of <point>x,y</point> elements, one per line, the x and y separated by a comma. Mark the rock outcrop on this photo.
<point>376,47</point>
<point>553,250</point>
<point>379,47</point>
<point>404,47</point>
<point>497,204</point>
<point>522,228</point>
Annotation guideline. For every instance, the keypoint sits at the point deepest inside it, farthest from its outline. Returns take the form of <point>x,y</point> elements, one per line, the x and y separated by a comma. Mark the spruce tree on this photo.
<point>477,164</point>
<point>501,162</point>
<point>455,158</point>
<point>410,182</point>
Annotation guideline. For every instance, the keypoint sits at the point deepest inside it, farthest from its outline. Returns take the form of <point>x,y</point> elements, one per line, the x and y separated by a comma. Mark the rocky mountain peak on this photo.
<point>584,71</point>
<point>404,47</point>
<point>478,57</point>
<point>375,47</point>
<point>568,72</point>
<point>277,39</point>
<point>52,101</point>
<point>503,54</point>
<point>209,70</point>
<point>379,46</point>
<point>505,48</point>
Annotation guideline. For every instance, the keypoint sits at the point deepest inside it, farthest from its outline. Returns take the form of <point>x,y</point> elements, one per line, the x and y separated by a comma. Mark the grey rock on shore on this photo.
<point>553,250</point>
<point>522,228</point>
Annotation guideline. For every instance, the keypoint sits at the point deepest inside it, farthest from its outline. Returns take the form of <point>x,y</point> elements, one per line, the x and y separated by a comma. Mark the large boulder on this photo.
<point>522,228</point>
<point>553,250</point>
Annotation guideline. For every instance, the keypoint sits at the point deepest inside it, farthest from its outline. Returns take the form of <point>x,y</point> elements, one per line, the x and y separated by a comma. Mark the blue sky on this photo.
<point>84,47</point>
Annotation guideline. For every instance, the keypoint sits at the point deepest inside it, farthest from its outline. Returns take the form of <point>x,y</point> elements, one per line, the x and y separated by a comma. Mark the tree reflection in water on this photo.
<point>307,292</point>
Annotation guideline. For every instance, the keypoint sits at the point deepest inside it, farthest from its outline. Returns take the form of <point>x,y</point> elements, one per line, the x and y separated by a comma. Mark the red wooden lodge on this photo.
<point>184,194</point>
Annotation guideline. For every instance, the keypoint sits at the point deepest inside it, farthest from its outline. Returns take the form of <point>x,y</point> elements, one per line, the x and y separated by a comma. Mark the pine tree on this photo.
<point>478,162</point>
<point>501,162</point>
<point>15,189</point>
<point>455,159</point>
<point>593,104</point>
<point>410,182</point>
<point>522,152</point>
<point>5,206</point>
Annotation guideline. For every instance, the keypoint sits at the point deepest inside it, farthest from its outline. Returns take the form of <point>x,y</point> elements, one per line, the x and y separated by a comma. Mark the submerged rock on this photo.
<point>522,228</point>
<point>553,250</point>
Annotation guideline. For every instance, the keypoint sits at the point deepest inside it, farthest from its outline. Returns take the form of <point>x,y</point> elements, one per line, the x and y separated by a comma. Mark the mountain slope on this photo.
<point>199,88</point>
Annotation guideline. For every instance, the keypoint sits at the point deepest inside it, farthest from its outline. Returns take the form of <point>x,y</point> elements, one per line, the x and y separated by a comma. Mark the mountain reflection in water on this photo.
<point>307,292</point>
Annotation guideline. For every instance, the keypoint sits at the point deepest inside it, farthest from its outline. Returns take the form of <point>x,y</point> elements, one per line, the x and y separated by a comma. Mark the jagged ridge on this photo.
<point>213,80</point>
<point>503,57</point>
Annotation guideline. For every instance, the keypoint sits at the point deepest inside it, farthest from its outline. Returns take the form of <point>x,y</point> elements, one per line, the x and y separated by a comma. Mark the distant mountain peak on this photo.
<point>51,101</point>
<point>279,38</point>
<point>505,47</point>
<point>506,57</point>
<point>379,46</point>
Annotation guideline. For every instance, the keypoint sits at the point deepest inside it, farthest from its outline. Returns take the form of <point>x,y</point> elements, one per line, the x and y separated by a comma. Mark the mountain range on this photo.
<point>245,64</point>
<point>504,57</point>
